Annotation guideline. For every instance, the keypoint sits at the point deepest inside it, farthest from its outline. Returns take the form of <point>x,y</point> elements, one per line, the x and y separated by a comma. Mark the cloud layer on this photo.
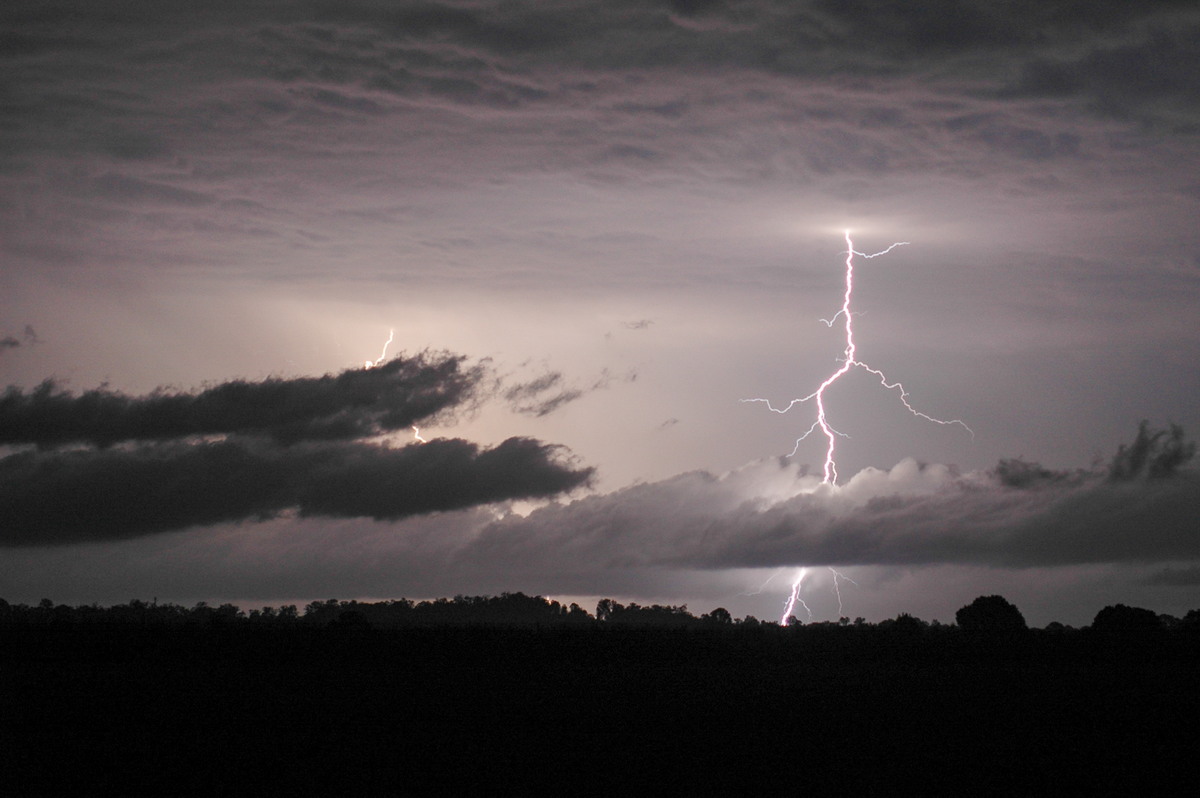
<point>149,464</point>
<point>356,403</point>
<point>78,496</point>
<point>769,515</point>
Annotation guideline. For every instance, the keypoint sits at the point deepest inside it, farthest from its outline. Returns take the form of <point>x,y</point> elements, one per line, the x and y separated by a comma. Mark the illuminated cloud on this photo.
<point>910,515</point>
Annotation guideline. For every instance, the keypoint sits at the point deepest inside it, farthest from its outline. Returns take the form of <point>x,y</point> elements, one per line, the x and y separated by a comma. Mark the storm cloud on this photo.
<point>355,403</point>
<point>769,515</point>
<point>1141,508</point>
<point>110,466</point>
<point>75,496</point>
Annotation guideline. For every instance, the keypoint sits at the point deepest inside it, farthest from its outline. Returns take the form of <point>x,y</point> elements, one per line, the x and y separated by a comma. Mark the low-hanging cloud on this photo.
<point>771,514</point>
<point>49,498</point>
<point>108,466</point>
<point>356,403</point>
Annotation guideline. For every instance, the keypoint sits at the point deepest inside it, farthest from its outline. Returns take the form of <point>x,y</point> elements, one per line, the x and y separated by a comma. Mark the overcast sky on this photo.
<point>604,224</point>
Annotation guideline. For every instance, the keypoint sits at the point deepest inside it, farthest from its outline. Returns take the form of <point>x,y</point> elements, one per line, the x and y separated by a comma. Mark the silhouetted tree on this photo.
<point>633,613</point>
<point>990,614</point>
<point>351,621</point>
<point>720,616</point>
<point>903,626</point>
<point>605,608</point>
<point>1122,619</point>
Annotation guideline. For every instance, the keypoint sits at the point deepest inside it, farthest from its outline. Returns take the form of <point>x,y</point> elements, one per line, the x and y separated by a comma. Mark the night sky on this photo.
<point>594,228</point>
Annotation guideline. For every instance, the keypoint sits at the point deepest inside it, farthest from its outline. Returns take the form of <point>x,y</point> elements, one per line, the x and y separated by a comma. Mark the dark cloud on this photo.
<point>1175,577</point>
<point>141,465</point>
<point>479,51</point>
<point>1018,473</point>
<point>131,141</point>
<point>547,392</point>
<point>52,498</point>
<point>1155,76</point>
<point>541,396</point>
<point>28,336</point>
<point>1154,454</point>
<point>353,404</point>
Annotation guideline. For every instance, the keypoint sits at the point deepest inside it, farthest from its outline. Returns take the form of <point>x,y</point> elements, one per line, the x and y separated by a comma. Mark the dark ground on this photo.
<point>337,711</point>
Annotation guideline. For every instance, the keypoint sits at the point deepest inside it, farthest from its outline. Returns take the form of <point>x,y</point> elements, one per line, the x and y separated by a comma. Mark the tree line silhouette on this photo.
<point>518,694</point>
<point>986,614</point>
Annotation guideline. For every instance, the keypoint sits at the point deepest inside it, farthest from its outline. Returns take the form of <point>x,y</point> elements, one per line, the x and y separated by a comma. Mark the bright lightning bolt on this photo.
<point>373,363</point>
<point>417,434</point>
<point>849,362</point>
<point>789,604</point>
<point>794,598</point>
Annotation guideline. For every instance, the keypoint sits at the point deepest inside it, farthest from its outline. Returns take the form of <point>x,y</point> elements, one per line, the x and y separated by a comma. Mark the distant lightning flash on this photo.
<point>373,363</point>
<point>370,364</point>
<point>849,362</point>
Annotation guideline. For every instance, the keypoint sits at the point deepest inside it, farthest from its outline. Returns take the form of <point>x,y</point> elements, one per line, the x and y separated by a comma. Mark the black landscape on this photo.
<point>520,695</point>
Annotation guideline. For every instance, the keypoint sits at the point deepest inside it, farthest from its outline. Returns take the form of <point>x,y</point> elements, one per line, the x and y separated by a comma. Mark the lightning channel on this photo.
<point>837,588</point>
<point>789,604</point>
<point>370,364</point>
<point>849,361</point>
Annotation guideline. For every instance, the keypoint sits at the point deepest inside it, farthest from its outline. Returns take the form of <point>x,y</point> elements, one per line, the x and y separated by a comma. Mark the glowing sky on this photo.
<point>635,210</point>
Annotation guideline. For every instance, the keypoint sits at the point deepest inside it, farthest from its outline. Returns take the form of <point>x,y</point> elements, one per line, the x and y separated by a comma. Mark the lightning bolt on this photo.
<point>837,588</point>
<point>789,604</point>
<point>793,599</point>
<point>848,362</point>
<point>369,364</point>
<point>822,422</point>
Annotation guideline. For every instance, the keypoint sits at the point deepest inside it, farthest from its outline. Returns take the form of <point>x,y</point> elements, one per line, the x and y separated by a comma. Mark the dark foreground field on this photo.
<point>354,711</point>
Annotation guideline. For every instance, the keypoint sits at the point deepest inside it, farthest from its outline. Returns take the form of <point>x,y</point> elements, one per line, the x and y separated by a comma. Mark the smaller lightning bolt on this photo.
<point>837,588</point>
<point>368,364</point>
<point>417,434</point>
